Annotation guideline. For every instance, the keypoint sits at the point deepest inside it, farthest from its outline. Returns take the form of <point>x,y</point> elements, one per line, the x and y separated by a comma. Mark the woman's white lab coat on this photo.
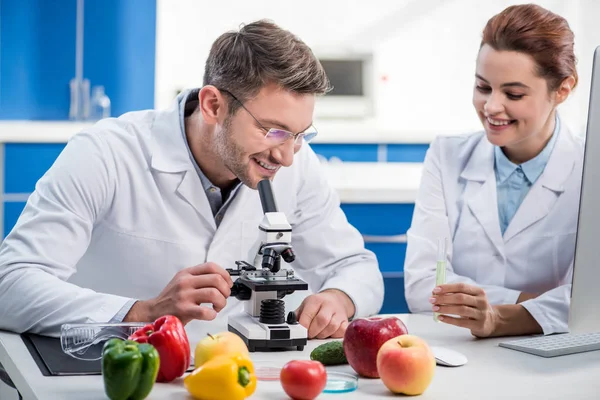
<point>123,209</point>
<point>457,199</point>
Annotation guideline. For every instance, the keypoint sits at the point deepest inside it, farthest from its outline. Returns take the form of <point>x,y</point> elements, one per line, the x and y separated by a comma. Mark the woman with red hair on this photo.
<point>506,198</point>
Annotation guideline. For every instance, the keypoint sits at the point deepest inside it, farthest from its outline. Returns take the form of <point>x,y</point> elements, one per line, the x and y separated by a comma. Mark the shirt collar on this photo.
<point>532,168</point>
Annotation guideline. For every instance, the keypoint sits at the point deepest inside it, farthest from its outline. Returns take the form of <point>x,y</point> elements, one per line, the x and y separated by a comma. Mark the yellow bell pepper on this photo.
<point>224,377</point>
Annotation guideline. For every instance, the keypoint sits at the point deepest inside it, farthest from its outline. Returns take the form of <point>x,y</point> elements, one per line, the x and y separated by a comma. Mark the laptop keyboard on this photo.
<point>556,345</point>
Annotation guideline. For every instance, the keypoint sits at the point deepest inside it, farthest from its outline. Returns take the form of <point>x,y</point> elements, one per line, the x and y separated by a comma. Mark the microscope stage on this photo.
<point>262,284</point>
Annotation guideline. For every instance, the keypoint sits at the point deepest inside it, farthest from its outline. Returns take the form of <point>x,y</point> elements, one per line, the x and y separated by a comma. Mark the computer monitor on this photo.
<point>584,315</point>
<point>351,75</point>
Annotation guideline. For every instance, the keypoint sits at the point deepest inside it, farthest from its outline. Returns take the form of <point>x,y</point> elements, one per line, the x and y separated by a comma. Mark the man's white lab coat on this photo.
<point>123,209</point>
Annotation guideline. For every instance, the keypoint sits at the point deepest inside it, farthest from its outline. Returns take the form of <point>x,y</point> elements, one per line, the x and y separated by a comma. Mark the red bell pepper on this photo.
<point>168,336</point>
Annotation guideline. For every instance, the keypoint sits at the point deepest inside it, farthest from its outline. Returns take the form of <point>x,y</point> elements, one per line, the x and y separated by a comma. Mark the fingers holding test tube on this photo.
<point>465,305</point>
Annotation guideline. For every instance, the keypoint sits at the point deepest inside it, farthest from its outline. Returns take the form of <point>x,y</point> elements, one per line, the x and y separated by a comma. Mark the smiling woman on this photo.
<point>522,75</point>
<point>507,197</point>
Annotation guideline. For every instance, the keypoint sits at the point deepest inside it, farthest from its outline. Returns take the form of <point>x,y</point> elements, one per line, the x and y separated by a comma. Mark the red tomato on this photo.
<point>303,379</point>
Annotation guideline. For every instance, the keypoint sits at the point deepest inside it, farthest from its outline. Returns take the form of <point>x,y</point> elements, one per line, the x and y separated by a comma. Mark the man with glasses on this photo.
<point>140,215</point>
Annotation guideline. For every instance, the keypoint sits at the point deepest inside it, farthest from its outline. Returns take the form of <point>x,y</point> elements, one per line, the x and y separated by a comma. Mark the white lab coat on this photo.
<point>457,199</point>
<point>123,209</point>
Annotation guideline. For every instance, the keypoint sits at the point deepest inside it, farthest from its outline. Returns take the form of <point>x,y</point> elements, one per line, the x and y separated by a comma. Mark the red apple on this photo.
<point>406,365</point>
<point>364,337</point>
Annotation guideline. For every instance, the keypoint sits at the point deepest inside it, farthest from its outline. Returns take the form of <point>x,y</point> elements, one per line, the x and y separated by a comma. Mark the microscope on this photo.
<point>261,285</point>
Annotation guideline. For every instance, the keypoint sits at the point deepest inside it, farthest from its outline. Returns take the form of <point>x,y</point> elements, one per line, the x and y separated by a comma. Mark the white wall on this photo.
<point>425,48</point>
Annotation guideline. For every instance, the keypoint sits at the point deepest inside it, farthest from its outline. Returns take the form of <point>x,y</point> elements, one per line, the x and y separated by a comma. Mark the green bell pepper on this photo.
<point>129,369</point>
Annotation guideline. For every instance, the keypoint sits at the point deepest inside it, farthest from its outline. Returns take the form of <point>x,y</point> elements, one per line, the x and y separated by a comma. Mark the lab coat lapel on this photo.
<point>190,189</point>
<point>546,190</point>
<point>481,191</point>
<point>245,213</point>
<point>169,156</point>
<point>238,231</point>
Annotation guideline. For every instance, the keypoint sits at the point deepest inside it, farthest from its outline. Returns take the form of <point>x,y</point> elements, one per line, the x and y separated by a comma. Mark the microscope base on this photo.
<point>267,337</point>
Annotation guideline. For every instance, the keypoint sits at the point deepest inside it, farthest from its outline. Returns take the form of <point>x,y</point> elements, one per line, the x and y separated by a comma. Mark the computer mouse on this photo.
<point>447,357</point>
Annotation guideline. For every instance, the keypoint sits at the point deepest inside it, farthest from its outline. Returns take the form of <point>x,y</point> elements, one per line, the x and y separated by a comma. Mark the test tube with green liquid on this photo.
<point>440,268</point>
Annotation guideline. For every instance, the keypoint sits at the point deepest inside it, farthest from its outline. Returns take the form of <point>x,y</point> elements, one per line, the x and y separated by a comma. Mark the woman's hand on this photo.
<point>470,306</point>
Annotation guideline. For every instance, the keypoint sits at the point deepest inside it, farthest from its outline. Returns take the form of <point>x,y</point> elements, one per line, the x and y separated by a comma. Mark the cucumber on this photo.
<point>330,353</point>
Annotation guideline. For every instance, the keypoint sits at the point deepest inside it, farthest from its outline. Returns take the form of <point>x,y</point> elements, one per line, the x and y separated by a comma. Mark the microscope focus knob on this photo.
<point>240,292</point>
<point>291,318</point>
<point>272,311</point>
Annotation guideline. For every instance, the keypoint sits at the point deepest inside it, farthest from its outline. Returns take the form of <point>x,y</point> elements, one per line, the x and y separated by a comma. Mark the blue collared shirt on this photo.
<point>513,181</point>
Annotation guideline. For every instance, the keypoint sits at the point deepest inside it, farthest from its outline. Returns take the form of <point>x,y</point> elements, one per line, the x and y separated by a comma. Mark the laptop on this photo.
<point>584,314</point>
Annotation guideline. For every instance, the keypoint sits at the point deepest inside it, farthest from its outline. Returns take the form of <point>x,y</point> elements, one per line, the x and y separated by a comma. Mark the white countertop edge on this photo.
<point>382,196</point>
<point>16,131</point>
<point>354,182</point>
<point>346,196</point>
<point>39,131</point>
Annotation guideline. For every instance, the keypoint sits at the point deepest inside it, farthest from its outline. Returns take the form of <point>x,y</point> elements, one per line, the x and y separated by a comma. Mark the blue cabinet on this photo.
<point>357,152</point>
<point>380,219</point>
<point>12,211</point>
<point>26,163</point>
<point>38,55</point>
<point>38,58</point>
<point>384,227</point>
<point>395,302</point>
<point>347,152</point>
<point>406,152</point>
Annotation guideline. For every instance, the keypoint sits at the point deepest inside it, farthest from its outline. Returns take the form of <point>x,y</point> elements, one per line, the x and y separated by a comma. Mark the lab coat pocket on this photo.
<point>544,261</point>
<point>474,254</point>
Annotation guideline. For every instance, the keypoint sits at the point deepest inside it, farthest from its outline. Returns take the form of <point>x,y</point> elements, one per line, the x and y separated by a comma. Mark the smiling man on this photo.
<point>140,215</point>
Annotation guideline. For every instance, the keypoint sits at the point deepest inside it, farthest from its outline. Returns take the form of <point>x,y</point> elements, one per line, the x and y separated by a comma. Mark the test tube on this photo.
<point>440,268</point>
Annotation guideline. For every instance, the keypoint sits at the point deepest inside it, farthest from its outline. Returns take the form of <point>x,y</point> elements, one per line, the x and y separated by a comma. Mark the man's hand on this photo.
<point>467,302</point>
<point>182,297</point>
<point>325,314</point>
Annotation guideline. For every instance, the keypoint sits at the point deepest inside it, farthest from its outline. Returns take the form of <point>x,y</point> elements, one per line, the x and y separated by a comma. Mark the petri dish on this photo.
<point>340,382</point>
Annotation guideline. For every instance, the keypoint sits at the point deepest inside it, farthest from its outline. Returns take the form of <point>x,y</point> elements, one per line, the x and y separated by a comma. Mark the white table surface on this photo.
<point>491,373</point>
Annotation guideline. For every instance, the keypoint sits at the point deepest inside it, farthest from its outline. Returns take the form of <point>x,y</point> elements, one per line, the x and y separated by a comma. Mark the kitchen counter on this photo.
<point>330,131</point>
<point>39,131</point>
<point>362,182</point>
<point>356,182</point>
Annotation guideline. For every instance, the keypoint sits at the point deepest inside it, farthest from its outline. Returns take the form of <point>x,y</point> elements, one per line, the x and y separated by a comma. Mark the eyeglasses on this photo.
<point>280,135</point>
